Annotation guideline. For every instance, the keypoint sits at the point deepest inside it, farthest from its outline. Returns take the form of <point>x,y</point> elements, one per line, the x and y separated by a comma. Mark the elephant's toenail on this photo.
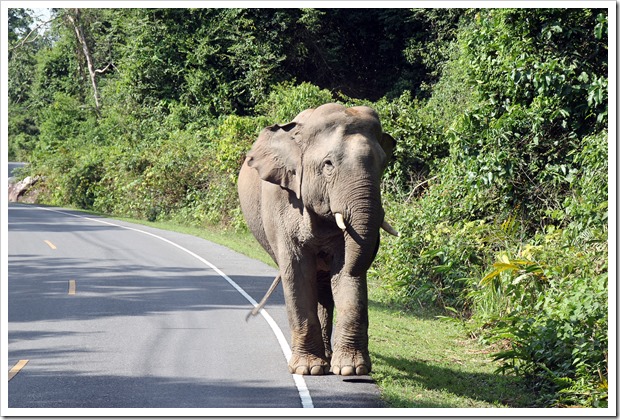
<point>302,370</point>
<point>347,371</point>
<point>316,370</point>
<point>361,370</point>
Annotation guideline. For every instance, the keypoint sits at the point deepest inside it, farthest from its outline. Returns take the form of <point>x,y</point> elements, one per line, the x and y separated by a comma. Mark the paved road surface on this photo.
<point>13,166</point>
<point>110,314</point>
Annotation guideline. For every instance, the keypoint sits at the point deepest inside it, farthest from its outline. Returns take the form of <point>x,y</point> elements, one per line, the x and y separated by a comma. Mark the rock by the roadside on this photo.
<point>18,190</point>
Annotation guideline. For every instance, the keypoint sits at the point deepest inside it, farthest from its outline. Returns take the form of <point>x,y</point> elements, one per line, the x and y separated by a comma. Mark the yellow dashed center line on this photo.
<point>51,245</point>
<point>71,287</point>
<point>15,369</point>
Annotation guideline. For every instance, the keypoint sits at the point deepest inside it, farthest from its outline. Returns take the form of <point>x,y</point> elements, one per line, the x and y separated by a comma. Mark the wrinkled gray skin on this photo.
<point>294,180</point>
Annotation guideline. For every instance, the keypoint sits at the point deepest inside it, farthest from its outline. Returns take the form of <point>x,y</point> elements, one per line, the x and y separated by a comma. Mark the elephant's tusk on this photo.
<point>340,221</point>
<point>389,229</point>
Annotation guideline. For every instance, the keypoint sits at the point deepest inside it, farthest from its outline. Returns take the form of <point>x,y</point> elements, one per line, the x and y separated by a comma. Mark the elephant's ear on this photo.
<point>388,144</point>
<point>276,156</point>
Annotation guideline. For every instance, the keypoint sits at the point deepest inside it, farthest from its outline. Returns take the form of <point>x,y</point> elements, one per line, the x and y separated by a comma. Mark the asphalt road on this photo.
<point>114,315</point>
<point>14,165</point>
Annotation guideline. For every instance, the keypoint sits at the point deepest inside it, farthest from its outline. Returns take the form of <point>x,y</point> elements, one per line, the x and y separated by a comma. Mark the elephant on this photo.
<point>310,193</point>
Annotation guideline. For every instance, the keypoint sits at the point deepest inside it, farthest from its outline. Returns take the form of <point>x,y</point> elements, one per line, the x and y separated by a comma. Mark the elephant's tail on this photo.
<point>258,307</point>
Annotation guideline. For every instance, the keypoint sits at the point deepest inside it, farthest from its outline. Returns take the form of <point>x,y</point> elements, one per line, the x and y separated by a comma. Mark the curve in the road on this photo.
<point>300,383</point>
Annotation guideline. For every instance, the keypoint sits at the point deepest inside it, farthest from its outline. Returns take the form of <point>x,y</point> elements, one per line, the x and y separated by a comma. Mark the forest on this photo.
<point>498,186</point>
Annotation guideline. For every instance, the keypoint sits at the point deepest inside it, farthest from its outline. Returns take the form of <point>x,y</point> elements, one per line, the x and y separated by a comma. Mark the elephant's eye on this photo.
<point>328,167</point>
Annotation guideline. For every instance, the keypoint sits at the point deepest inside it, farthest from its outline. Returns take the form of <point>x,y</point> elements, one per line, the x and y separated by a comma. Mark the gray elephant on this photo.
<point>310,194</point>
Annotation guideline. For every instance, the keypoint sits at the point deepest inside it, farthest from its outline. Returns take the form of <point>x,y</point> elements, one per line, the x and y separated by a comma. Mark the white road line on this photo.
<point>300,383</point>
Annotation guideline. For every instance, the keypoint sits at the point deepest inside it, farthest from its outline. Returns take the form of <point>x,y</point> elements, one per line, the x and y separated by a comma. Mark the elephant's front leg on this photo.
<point>300,294</point>
<point>351,339</point>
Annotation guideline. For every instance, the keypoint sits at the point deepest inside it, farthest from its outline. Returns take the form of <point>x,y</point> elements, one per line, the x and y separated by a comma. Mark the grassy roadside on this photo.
<point>419,360</point>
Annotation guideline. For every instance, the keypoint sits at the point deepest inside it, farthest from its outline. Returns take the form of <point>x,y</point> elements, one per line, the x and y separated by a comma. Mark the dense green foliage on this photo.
<point>499,180</point>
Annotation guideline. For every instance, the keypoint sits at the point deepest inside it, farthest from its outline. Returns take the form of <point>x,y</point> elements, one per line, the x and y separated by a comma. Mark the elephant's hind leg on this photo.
<point>325,309</point>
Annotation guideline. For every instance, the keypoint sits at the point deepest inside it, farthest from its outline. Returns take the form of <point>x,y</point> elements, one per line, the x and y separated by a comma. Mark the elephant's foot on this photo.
<point>307,365</point>
<point>350,362</point>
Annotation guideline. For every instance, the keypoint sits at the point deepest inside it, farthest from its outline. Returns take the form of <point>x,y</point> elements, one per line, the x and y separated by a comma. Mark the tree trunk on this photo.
<point>79,32</point>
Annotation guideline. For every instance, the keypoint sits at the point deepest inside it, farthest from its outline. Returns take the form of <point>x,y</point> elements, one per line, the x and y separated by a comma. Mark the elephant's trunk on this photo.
<point>363,221</point>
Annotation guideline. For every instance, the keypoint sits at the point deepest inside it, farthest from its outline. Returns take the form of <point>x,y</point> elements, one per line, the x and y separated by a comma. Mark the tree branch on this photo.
<point>103,70</point>
<point>411,194</point>
<point>25,40</point>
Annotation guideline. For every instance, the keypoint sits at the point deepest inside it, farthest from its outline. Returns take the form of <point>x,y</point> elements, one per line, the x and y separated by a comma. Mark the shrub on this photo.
<point>552,293</point>
<point>214,201</point>
<point>513,193</point>
<point>82,180</point>
<point>557,330</point>
<point>287,99</point>
<point>22,133</point>
<point>420,143</point>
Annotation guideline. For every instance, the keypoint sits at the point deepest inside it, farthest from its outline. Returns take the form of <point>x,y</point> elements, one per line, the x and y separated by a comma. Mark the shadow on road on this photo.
<point>131,392</point>
<point>118,289</point>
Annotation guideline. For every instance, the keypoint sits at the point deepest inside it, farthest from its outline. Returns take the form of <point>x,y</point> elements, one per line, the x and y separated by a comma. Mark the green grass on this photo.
<point>419,360</point>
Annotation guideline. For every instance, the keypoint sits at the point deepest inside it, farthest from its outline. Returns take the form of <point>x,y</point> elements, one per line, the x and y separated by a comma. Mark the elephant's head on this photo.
<point>332,158</point>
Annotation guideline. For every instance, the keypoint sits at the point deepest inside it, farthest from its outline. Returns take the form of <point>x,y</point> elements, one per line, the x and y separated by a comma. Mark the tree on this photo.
<point>21,54</point>
<point>76,19</point>
<point>24,44</point>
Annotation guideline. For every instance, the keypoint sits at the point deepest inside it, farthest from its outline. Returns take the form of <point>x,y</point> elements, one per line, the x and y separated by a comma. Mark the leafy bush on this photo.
<point>23,132</point>
<point>558,329</point>
<point>552,294</point>
<point>420,143</point>
<point>286,100</point>
<point>82,180</point>
<point>515,195</point>
<point>535,102</point>
<point>215,201</point>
